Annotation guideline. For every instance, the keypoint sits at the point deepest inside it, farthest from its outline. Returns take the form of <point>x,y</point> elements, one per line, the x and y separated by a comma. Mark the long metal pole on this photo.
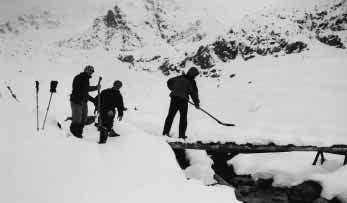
<point>37,105</point>
<point>49,103</point>
<point>99,103</point>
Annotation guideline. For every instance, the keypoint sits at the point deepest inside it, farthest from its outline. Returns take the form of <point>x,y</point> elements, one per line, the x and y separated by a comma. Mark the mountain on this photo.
<point>163,27</point>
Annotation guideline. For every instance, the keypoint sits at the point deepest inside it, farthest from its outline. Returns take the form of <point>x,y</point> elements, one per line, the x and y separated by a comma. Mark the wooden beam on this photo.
<point>253,148</point>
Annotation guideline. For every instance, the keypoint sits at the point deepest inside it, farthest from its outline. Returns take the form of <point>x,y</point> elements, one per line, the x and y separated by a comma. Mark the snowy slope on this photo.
<point>49,167</point>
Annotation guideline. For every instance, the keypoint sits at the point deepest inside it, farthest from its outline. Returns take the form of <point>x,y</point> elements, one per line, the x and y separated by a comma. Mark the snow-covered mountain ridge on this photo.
<point>169,35</point>
<point>275,33</point>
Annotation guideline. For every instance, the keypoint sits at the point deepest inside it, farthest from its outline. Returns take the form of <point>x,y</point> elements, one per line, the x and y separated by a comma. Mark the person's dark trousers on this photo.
<point>181,105</point>
<point>79,117</point>
<point>106,126</point>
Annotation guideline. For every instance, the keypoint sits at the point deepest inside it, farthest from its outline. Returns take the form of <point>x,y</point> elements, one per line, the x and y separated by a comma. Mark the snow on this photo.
<point>48,166</point>
<point>297,99</point>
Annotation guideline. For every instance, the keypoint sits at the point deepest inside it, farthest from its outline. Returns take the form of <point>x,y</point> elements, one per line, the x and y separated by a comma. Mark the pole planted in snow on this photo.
<point>37,105</point>
<point>52,90</point>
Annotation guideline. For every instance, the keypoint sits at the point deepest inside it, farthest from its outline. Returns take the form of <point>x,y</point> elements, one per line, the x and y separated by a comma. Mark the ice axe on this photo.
<point>218,121</point>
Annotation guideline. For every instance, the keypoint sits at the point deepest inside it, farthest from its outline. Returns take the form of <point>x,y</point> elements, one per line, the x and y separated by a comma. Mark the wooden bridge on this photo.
<point>269,148</point>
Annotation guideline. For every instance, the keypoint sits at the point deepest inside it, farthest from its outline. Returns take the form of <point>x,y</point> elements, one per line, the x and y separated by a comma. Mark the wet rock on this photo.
<point>331,40</point>
<point>264,183</point>
<point>249,194</point>
<point>128,59</point>
<point>306,192</point>
<point>181,158</point>
<point>295,47</point>
<point>246,51</point>
<point>242,180</point>
<point>203,58</point>
<point>165,68</point>
<point>220,165</point>
<point>225,50</point>
<point>340,23</point>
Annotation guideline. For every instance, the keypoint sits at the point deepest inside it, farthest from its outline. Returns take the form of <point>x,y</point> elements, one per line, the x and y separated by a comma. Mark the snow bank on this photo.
<point>48,166</point>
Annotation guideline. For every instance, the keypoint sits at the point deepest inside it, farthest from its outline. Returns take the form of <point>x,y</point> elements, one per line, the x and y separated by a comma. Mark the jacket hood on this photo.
<point>193,72</point>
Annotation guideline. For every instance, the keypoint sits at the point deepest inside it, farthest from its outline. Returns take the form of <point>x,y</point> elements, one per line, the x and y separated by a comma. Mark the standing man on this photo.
<point>79,98</point>
<point>110,99</point>
<point>181,87</point>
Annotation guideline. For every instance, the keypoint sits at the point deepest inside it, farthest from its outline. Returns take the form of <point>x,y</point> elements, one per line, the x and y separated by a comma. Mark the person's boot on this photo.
<point>183,137</point>
<point>80,130</point>
<point>112,133</point>
<point>103,135</point>
<point>75,130</point>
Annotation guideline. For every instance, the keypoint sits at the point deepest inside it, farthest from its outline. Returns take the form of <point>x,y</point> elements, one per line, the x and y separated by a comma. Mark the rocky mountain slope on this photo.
<point>160,35</point>
<point>175,43</point>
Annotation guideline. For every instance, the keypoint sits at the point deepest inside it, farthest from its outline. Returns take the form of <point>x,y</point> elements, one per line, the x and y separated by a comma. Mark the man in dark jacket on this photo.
<point>181,88</point>
<point>78,100</point>
<point>110,99</point>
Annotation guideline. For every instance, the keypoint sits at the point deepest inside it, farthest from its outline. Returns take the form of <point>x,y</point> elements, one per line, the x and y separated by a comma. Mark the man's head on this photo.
<point>89,70</point>
<point>193,72</point>
<point>117,85</point>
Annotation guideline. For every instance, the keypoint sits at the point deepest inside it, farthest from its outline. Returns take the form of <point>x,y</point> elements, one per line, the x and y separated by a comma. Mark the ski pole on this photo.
<point>99,102</point>
<point>218,121</point>
<point>52,90</point>
<point>37,105</point>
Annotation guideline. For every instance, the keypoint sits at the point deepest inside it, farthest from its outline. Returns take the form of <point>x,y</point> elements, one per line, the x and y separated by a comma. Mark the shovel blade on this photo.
<point>228,124</point>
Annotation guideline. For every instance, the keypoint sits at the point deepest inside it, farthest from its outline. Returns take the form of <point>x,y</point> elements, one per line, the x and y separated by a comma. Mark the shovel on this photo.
<point>218,121</point>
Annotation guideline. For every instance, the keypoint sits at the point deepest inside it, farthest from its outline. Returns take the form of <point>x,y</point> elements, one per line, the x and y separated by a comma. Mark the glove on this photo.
<point>197,105</point>
<point>120,118</point>
<point>110,114</point>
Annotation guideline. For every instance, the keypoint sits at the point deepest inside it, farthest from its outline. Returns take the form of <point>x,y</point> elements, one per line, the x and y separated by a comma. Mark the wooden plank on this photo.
<point>253,148</point>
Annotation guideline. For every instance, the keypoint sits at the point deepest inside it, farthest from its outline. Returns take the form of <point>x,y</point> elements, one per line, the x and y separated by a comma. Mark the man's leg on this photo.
<point>109,126</point>
<point>170,117</point>
<point>183,108</point>
<point>102,128</point>
<point>84,114</point>
<point>106,125</point>
<point>76,121</point>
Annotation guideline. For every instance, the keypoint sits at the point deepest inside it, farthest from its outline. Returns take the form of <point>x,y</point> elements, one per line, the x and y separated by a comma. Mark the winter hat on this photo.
<point>193,72</point>
<point>117,84</point>
<point>89,69</point>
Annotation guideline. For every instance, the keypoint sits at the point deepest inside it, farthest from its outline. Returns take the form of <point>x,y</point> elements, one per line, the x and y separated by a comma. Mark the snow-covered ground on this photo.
<point>298,99</point>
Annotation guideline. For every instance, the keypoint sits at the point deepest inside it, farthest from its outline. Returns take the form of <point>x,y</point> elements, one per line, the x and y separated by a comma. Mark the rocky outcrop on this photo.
<point>112,32</point>
<point>331,40</point>
<point>273,34</point>
<point>324,23</point>
<point>44,20</point>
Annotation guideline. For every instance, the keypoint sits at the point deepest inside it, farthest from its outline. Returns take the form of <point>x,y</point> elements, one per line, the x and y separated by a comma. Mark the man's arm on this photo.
<point>120,107</point>
<point>194,94</point>
<point>92,88</point>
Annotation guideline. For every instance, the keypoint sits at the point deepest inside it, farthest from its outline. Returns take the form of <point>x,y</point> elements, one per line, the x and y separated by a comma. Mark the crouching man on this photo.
<point>110,99</point>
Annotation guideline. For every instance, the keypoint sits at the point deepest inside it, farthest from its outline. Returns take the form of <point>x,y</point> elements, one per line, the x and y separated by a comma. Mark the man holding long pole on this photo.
<point>79,98</point>
<point>181,88</point>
